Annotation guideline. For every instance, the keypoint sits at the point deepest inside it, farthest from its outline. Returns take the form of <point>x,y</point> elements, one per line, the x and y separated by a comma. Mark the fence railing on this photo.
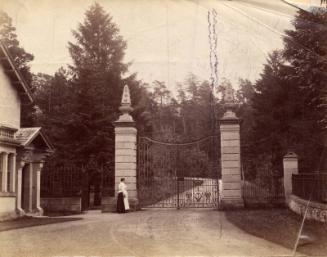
<point>263,194</point>
<point>71,180</point>
<point>311,186</point>
<point>59,181</point>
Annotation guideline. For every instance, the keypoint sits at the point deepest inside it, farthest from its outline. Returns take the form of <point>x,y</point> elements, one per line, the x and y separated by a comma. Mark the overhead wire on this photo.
<point>275,31</point>
<point>268,27</point>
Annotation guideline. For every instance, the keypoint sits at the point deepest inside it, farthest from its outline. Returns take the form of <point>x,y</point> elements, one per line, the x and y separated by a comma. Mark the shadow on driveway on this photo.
<point>281,226</point>
<point>32,221</point>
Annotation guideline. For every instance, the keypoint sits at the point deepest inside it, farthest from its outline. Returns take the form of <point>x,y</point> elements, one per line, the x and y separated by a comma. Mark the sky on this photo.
<point>166,40</point>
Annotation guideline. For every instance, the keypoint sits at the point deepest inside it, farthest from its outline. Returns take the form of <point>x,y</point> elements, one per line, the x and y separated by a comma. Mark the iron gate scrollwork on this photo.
<point>178,175</point>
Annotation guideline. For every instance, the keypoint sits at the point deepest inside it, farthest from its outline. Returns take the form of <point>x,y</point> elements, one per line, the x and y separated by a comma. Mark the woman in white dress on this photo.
<point>122,199</point>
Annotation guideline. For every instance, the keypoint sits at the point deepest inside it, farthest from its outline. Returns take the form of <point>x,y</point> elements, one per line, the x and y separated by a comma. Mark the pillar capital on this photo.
<point>290,155</point>
<point>38,165</point>
<point>20,164</point>
<point>124,124</point>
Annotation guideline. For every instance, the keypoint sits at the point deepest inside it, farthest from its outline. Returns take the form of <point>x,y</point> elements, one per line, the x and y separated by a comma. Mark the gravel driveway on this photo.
<point>155,232</point>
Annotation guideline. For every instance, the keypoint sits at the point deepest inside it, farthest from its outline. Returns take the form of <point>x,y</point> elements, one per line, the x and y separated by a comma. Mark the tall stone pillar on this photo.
<point>231,192</point>
<point>125,150</point>
<point>290,166</point>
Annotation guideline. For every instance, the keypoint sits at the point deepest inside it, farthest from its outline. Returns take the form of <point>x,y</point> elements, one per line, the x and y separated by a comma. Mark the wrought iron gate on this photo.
<point>178,175</point>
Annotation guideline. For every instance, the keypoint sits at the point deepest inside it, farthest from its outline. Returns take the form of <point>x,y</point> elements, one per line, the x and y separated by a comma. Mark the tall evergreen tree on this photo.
<point>288,99</point>
<point>306,52</point>
<point>53,98</point>
<point>97,83</point>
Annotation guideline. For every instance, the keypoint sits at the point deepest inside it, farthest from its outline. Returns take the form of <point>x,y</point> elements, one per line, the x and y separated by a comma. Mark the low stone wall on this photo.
<point>62,204</point>
<point>7,207</point>
<point>316,211</point>
<point>108,204</point>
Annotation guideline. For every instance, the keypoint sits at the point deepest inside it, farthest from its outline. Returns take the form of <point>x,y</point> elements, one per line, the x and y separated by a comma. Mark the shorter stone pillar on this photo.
<point>20,167</point>
<point>30,187</point>
<point>38,189</point>
<point>290,165</point>
<point>231,192</point>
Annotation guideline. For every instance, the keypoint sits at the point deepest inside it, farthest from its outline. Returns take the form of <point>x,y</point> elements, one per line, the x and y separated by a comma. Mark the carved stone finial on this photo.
<point>229,103</point>
<point>126,107</point>
<point>126,98</point>
<point>229,94</point>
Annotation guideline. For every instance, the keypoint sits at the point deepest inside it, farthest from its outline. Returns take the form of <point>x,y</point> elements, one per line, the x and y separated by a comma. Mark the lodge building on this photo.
<point>22,150</point>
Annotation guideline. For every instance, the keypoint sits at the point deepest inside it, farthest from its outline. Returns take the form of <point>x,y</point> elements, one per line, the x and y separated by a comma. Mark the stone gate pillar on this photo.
<point>231,192</point>
<point>125,150</point>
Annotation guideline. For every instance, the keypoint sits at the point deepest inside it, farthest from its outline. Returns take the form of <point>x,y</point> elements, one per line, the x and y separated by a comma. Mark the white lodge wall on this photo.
<point>9,103</point>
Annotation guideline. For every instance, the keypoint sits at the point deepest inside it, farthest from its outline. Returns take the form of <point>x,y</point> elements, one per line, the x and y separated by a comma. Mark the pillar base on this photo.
<point>134,204</point>
<point>231,203</point>
<point>40,211</point>
<point>108,204</point>
<point>20,212</point>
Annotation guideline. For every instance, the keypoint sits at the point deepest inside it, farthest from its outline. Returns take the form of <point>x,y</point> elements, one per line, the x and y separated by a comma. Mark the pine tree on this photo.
<point>306,52</point>
<point>97,83</point>
<point>288,100</point>
<point>53,98</point>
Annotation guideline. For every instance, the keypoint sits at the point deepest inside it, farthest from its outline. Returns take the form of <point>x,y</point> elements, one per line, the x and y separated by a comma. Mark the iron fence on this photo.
<point>70,180</point>
<point>311,186</point>
<point>256,193</point>
<point>59,181</point>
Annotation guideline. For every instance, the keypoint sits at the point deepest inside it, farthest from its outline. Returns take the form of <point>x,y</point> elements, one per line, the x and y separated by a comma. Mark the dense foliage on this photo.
<point>285,109</point>
<point>287,104</point>
<point>79,105</point>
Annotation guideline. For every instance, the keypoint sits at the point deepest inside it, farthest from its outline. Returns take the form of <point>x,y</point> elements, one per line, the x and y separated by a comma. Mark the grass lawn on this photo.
<point>32,221</point>
<point>281,226</point>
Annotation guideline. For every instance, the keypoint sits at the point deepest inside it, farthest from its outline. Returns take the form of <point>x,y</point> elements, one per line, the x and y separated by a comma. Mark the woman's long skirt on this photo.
<point>120,203</point>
